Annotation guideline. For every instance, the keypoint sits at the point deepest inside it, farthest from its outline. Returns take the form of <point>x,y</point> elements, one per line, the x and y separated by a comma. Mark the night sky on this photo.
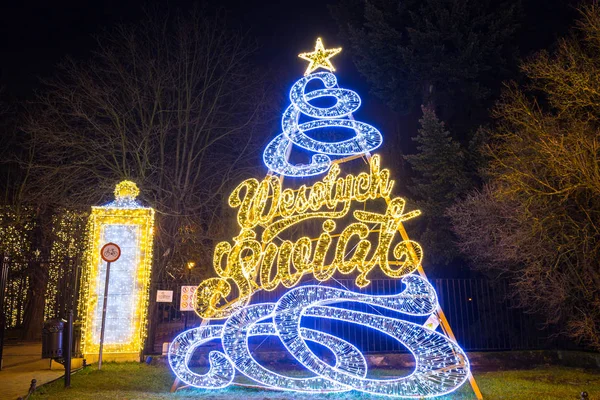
<point>36,35</point>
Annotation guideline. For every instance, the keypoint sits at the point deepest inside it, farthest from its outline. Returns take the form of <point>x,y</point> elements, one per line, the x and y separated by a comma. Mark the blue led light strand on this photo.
<point>366,138</point>
<point>441,366</point>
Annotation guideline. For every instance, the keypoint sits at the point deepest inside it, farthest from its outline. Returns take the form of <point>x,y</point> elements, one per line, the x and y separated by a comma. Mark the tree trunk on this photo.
<point>33,318</point>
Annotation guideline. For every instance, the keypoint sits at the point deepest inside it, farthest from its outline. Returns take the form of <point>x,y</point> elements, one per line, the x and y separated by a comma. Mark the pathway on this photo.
<point>22,363</point>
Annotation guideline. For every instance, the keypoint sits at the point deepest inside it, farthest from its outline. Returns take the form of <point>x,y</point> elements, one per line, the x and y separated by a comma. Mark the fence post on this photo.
<point>3,281</point>
<point>69,349</point>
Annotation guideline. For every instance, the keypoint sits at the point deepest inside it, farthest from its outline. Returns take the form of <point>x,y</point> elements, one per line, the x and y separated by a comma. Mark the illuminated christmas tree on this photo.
<point>265,255</point>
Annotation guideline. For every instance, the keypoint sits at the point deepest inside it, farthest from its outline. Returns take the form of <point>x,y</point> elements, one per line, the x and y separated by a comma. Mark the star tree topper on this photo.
<point>319,58</point>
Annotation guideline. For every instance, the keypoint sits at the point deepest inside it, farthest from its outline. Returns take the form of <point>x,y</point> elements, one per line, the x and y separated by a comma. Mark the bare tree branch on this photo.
<point>171,103</point>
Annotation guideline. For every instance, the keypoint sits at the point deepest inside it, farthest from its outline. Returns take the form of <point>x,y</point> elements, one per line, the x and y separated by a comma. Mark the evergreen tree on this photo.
<point>440,178</point>
<point>452,54</point>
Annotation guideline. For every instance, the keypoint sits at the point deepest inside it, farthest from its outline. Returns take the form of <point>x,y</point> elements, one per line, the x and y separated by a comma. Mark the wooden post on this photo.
<point>439,313</point>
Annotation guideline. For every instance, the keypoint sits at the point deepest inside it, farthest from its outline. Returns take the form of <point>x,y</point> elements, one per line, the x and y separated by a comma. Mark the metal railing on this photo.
<point>480,312</point>
<point>61,279</point>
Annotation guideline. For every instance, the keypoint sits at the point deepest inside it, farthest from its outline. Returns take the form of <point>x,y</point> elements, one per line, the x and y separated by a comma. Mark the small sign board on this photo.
<point>432,322</point>
<point>164,296</point>
<point>110,252</point>
<point>188,298</point>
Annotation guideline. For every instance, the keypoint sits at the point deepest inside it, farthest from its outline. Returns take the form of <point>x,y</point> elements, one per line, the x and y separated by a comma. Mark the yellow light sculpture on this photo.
<point>128,224</point>
<point>255,263</point>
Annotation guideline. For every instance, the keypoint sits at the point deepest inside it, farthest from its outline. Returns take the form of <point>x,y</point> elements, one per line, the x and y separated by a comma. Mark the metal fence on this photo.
<point>59,279</point>
<point>483,317</point>
<point>61,287</point>
<point>16,291</point>
<point>479,311</point>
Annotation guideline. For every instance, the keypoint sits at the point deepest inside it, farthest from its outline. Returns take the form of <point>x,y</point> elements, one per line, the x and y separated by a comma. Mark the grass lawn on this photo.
<point>141,381</point>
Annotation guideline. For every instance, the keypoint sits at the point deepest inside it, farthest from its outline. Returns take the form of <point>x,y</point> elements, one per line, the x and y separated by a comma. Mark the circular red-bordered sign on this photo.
<point>110,252</point>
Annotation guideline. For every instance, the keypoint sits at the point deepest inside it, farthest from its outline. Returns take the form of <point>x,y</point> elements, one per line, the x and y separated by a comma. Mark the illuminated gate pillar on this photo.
<point>130,225</point>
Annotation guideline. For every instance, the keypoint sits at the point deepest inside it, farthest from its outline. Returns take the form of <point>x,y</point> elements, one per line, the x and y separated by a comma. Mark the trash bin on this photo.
<point>52,338</point>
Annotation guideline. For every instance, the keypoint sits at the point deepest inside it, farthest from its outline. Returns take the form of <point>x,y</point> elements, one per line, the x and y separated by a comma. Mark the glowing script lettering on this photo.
<point>252,264</point>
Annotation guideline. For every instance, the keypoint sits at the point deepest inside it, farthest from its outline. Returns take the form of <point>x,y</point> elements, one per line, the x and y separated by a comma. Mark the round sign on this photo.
<point>110,252</point>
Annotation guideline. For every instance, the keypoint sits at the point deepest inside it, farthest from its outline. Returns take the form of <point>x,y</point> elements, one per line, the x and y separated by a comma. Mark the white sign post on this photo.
<point>187,301</point>
<point>110,252</point>
<point>164,296</point>
<point>188,298</point>
<point>432,322</point>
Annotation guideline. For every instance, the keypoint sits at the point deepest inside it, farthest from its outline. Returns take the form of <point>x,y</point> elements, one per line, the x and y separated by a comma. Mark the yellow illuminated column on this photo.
<point>130,225</point>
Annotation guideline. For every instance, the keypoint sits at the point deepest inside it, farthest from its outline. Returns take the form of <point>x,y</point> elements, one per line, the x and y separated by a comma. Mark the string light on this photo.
<point>260,259</point>
<point>251,264</point>
<point>126,223</point>
<point>366,138</point>
<point>319,58</point>
<point>16,229</point>
<point>17,226</point>
<point>441,366</point>
<point>126,191</point>
<point>68,234</point>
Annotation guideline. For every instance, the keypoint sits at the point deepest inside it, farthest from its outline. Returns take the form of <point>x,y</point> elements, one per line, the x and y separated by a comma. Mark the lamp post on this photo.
<point>190,265</point>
